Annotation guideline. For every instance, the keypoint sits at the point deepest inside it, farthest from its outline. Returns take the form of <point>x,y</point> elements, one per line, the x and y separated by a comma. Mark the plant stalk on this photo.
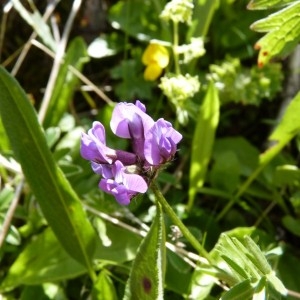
<point>186,233</point>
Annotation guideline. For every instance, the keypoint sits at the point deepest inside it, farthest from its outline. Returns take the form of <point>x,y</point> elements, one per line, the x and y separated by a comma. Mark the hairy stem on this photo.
<point>186,233</point>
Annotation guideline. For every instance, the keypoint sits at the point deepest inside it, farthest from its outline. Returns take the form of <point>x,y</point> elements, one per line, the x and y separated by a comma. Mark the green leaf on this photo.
<point>66,82</point>
<point>103,288</point>
<point>35,20</point>
<point>146,280</point>
<point>226,166</point>
<point>292,224</point>
<point>203,140</point>
<point>288,127</point>
<point>264,4</point>
<point>287,175</point>
<point>45,260</point>
<point>58,201</point>
<point>42,260</point>
<point>283,33</point>
<point>202,16</point>
<point>242,290</point>
<point>245,152</point>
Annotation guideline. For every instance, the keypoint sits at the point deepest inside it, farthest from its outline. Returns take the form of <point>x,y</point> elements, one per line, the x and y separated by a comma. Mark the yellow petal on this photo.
<point>156,53</point>
<point>152,72</point>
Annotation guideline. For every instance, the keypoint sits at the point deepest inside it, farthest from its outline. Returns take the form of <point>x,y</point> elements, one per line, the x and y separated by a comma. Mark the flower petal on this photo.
<point>126,113</point>
<point>161,142</point>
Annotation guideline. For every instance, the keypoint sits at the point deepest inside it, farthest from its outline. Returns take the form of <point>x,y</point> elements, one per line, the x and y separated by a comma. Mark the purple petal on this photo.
<point>140,105</point>
<point>125,114</point>
<point>93,145</point>
<point>104,170</point>
<point>161,142</point>
<point>124,186</point>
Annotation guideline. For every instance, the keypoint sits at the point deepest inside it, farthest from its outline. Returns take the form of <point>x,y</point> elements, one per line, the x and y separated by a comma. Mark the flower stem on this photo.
<point>175,47</point>
<point>186,233</point>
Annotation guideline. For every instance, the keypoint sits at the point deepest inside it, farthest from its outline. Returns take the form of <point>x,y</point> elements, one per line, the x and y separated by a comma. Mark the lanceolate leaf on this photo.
<point>57,199</point>
<point>146,280</point>
<point>203,140</point>
<point>288,127</point>
<point>283,33</point>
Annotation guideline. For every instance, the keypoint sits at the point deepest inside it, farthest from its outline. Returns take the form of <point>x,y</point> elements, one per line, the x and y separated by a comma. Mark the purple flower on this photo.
<point>93,147</point>
<point>161,142</point>
<point>124,185</point>
<point>131,121</point>
<point>153,144</point>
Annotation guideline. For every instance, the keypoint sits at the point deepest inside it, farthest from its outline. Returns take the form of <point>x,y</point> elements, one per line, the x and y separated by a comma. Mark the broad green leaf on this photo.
<point>146,280</point>
<point>287,175</point>
<point>103,288</point>
<point>35,20</point>
<point>288,127</point>
<point>203,140</point>
<point>246,153</point>
<point>52,135</point>
<point>264,4</point>
<point>57,199</point>
<point>66,82</point>
<point>292,224</point>
<point>45,260</point>
<point>243,290</point>
<point>283,33</point>
<point>226,166</point>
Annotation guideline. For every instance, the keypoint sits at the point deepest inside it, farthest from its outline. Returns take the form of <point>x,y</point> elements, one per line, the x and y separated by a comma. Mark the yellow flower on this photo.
<point>156,58</point>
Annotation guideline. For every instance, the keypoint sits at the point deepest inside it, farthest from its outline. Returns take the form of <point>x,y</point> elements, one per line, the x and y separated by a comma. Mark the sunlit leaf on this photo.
<point>58,201</point>
<point>283,33</point>
<point>36,21</point>
<point>204,136</point>
<point>288,127</point>
<point>243,290</point>
<point>146,280</point>
<point>264,4</point>
<point>45,260</point>
<point>104,288</point>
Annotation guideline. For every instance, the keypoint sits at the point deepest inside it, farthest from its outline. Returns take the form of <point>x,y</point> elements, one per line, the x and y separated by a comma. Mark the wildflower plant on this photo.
<point>221,222</point>
<point>124,174</point>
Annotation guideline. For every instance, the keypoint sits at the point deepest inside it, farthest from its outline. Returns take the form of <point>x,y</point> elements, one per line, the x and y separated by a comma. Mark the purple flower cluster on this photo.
<point>124,173</point>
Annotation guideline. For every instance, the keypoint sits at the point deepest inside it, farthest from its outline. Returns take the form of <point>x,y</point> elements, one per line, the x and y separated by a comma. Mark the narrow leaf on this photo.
<point>36,21</point>
<point>66,82</point>
<point>58,201</point>
<point>146,280</point>
<point>259,259</point>
<point>288,127</point>
<point>203,140</point>
<point>243,290</point>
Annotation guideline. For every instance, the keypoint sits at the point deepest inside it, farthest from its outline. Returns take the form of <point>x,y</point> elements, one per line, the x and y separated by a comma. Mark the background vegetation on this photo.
<point>226,74</point>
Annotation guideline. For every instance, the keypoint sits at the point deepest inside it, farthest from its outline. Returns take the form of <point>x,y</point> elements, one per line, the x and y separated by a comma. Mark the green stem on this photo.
<point>240,192</point>
<point>175,47</point>
<point>186,233</point>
